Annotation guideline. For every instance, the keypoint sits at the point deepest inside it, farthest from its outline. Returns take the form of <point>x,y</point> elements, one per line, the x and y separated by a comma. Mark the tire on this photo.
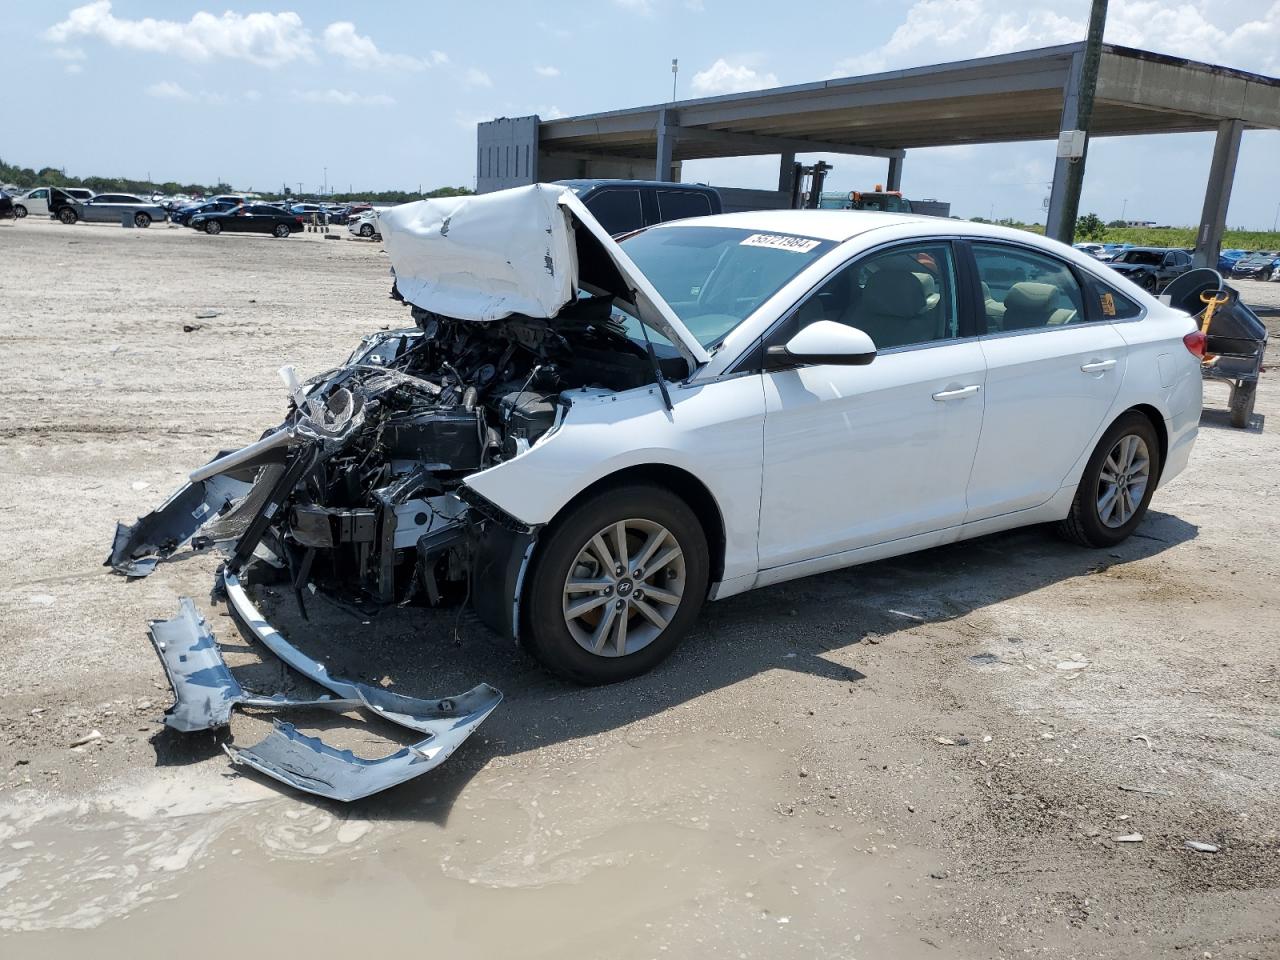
<point>1241,405</point>
<point>67,215</point>
<point>1149,283</point>
<point>651,518</point>
<point>212,227</point>
<point>1095,520</point>
<point>19,211</point>
<point>366,230</point>
<point>141,219</point>
<point>281,231</point>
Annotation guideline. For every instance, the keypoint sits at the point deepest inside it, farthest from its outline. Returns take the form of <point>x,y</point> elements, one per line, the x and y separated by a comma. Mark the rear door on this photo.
<point>1054,368</point>
<point>618,209</point>
<point>681,204</point>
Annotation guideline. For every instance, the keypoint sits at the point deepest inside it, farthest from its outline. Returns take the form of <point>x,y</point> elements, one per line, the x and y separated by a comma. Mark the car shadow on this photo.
<point>1221,420</point>
<point>795,626</point>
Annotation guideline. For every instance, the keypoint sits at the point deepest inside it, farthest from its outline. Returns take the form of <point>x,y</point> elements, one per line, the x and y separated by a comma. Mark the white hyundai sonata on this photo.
<point>587,439</point>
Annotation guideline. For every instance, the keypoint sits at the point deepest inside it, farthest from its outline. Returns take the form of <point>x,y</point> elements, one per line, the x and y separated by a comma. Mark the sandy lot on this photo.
<point>888,761</point>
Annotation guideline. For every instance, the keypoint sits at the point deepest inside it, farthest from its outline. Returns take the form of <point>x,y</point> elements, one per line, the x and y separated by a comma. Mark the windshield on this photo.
<point>715,277</point>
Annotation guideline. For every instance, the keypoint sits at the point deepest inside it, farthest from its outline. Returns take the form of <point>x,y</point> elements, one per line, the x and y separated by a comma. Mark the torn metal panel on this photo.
<point>203,688</point>
<point>310,764</point>
<point>138,547</point>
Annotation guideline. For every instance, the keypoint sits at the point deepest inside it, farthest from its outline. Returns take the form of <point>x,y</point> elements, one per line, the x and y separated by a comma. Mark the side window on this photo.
<point>1114,305</point>
<point>1024,290</point>
<point>617,210</point>
<point>41,194</point>
<point>899,297</point>
<point>679,204</point>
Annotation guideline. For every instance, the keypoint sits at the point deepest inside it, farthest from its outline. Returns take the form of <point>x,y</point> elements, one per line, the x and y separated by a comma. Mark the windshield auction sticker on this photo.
<point>777,241</point>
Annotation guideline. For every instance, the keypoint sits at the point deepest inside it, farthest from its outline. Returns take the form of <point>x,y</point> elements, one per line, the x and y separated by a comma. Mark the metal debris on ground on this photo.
<point>1200,846</point>
<point>1129,838</point>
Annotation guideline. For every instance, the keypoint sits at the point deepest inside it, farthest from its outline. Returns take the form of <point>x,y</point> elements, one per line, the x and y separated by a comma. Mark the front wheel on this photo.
<point>281,230</point>
<point>141,219</point>
<point>19,211</point>
<point>616,584</point>
<point>1149,283</point>
<point>366,230</point>
<point>212,227</point>
<point>1117,484</point>
<point>67,215</point>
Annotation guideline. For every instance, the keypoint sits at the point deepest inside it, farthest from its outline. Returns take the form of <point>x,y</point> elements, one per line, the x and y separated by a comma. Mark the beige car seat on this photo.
<point>897,307</point>
<point>1029,304</point>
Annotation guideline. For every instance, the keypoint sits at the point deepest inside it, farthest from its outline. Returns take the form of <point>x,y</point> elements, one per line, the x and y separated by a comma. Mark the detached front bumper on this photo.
<point>205,694</point>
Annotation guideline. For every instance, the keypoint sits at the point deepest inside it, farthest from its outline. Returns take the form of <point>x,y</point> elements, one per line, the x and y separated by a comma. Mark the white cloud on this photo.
<point>941,30</point>
<point>343,98</point>
<point>477,78</point>
<point>550,113</point>
<point>169,90</point>
<point>547,71</point>
<point>341,39</point>
<point>267,39</point>
<point>642,7</point>
<point>439,57</point>
<point>724,77</point>
<point>73,68</point>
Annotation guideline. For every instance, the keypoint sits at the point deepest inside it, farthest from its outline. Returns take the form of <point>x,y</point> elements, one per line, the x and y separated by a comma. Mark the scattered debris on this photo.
<point>909,616</point>
<point>192,327</point>
<point>952,741</point>
<point>1128,838</point>
<point>984,659</point>
<point>89,737</point>
<point>1200,846</point>
<point>1151,791</point>
<point>1144,739</point>
<point>1072,665</point>
<point>207,314</point>
<point>139,484</point>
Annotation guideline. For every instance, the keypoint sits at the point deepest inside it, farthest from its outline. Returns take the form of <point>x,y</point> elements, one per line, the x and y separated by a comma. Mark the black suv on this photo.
<point>625,205</point>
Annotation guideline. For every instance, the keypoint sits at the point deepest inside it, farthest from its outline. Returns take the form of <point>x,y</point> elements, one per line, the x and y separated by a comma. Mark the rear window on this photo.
<point>1114,305</point>
<point>681,204</point>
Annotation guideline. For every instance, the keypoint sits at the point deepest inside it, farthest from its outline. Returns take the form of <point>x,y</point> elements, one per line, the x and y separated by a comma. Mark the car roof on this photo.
<point>836,225</point>
<point>587,183</point>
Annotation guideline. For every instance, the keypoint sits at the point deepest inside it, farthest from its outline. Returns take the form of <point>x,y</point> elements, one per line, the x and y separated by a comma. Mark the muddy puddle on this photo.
<point>660,846</point>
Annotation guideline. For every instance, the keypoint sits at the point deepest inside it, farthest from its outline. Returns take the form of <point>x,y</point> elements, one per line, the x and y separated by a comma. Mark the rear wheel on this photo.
<point>212,227</point>
<point>67,215</point>
<point>1117,484</point>
<point>19,211</point>
<point>616,584</point>
<point>141,219</point>
<point>1241,404</point>
<point>281,230</point>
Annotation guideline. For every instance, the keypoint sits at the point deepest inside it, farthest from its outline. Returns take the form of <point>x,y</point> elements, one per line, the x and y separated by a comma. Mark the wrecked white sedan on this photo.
<point>586,439</point>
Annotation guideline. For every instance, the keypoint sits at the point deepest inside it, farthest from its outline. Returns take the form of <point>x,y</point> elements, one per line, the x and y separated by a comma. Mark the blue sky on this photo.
<point>386,95</point>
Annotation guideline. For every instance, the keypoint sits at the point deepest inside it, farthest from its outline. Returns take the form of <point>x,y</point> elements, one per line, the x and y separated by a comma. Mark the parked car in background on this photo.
<point>1095,250</point>
<point>622,206</point>
<point>1258,265</point>
<point>1109,250</point>
<point>45,201</point>
<point>365,225</point>
<point>182,215</point>
<point>248,218</point>
<point>111,208</point>
<point>1227,259</point>
<point>6,206</point>
<point>1150,267</point>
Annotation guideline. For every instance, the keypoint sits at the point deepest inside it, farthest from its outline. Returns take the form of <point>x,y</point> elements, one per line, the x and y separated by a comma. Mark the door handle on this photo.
<point>958,394</point>
<point>1097,366</point>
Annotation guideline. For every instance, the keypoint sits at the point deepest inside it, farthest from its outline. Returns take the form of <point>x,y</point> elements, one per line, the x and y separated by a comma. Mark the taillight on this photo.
<point>298,220</point>
<point>1195,343</point>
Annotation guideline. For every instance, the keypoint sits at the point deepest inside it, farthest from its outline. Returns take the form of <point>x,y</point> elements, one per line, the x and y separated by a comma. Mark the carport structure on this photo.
<point>1013,97</point>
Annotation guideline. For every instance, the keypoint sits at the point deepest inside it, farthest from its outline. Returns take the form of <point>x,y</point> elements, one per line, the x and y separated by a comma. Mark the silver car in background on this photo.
<point>111,208</point>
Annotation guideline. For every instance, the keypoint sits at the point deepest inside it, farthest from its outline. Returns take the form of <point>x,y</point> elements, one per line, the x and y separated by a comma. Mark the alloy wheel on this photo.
<point>1122,482</point>
<point>624,587</point>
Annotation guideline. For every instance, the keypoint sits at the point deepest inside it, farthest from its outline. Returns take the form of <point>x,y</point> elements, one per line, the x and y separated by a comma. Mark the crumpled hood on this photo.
<point>523,250</point>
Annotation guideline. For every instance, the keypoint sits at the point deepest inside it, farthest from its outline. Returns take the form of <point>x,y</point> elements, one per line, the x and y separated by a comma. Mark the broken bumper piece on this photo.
<point>205,693</point>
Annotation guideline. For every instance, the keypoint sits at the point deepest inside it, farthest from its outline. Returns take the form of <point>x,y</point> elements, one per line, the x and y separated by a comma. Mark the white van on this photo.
<point>37,201</point>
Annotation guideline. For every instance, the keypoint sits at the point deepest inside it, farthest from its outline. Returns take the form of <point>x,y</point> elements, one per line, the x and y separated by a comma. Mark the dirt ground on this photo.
<point>930,756</point>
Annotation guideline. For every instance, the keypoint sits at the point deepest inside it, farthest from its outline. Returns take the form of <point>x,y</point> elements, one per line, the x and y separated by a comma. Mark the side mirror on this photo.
<point>823,341</point>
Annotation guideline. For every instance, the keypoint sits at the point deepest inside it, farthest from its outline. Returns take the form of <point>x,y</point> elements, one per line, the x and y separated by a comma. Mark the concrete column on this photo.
<point>1217,194</point>
<point>894,180</point>
<point>1059,205</point>
<point>668,122</point>
<point>786,172</point>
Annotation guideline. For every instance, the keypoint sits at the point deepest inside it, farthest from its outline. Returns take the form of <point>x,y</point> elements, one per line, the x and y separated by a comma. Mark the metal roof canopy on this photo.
<point>1011,97</point>
<point>1000,99</point>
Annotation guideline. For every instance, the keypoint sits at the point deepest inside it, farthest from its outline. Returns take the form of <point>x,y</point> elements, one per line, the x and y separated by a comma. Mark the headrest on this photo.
<point>1031,296</point>
<point>896,293</point>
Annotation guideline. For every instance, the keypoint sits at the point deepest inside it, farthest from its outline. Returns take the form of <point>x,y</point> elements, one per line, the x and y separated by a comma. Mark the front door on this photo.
<point>1053,373</point>
<point>855,456</point>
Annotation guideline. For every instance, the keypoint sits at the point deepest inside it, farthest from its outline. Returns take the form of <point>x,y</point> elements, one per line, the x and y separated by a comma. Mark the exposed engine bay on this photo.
<point>359,491</point>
